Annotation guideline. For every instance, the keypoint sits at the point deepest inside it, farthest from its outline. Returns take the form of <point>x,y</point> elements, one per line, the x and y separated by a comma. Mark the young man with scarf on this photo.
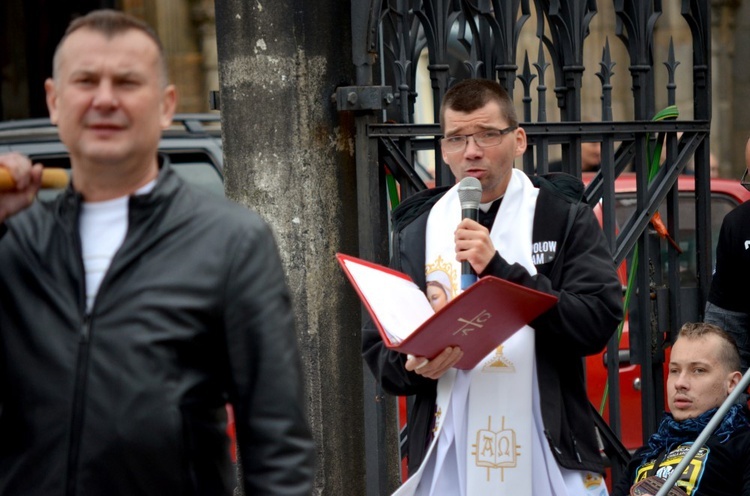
<point>522,414</point>
<point>703,370</point>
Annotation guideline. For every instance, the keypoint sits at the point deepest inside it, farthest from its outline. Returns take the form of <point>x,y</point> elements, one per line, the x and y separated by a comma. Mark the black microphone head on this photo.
<point>469,193</point>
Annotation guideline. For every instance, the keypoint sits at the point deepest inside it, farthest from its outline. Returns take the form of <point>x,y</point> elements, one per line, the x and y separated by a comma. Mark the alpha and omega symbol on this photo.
<point>496,449</point>
<point>472,324</point>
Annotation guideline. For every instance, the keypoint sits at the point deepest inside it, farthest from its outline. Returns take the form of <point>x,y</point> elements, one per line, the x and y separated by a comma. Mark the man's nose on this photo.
<point>681,383</point>
<point>105,96</point>
<point>472,149</point>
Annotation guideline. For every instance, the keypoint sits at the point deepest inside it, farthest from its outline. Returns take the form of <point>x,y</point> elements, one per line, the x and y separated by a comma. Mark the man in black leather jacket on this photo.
<point>133,308</point>
<point>579,271</point>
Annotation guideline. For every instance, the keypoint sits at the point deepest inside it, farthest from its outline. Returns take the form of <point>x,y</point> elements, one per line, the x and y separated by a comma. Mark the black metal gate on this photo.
<point>480,38</point>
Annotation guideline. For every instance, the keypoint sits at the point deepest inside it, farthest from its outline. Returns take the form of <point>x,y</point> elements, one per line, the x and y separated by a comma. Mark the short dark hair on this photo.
<point>110,23</point>
<point>472,94</point>
<point>729,354</point>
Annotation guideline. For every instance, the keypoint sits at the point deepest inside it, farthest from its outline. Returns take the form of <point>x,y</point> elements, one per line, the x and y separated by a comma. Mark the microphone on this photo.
<point>469,194</point>
<point>52,178</point>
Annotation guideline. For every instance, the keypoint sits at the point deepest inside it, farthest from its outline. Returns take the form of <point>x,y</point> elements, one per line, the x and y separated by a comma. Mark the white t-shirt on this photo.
<point>103,226</point>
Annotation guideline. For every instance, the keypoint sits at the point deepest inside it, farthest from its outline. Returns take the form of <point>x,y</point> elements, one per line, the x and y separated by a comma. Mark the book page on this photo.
<point>401,307</point>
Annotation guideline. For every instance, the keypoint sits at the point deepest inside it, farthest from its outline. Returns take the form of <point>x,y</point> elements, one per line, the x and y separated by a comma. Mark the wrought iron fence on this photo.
<point>480,38</point>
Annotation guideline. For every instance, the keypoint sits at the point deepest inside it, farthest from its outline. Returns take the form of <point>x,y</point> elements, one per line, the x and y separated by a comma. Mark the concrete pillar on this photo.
<point>290,158</point>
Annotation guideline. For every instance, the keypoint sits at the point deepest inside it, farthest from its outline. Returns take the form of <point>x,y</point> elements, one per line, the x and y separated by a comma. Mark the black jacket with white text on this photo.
<point>581,274</point>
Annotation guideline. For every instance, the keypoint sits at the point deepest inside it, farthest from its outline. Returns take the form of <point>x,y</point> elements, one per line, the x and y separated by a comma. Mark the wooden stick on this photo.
<point>52,178</point>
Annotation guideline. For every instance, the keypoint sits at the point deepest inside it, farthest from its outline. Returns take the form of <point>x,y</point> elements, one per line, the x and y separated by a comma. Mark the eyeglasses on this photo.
<point>483,139</point>
<point>744,181</point>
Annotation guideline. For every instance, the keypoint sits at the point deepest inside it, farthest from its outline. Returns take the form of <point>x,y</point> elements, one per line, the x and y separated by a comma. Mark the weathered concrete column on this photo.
<point>289,158</point>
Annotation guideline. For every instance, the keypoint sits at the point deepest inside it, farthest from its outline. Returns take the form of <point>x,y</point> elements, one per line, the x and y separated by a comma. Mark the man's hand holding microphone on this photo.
<point>474,249</point>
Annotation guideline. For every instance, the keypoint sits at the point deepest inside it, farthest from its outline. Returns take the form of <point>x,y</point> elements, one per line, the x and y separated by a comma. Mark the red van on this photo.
<point>726,194</point>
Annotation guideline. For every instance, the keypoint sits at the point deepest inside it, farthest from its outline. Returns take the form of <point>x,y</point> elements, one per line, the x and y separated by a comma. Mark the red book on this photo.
<point>478,320</point>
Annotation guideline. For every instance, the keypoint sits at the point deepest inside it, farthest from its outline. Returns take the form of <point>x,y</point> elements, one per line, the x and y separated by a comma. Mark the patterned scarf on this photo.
<point>672,433</point>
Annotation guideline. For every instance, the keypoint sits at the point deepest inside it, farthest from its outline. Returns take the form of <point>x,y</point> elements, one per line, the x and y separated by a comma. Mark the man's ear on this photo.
<point>520,134</point>
<point>168,105</point>
<point>733,379</point>
<point>51,97</point>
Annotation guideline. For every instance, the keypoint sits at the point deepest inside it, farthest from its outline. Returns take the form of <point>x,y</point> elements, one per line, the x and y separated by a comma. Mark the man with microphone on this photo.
<point>133,307</point>
<point>520,421</point>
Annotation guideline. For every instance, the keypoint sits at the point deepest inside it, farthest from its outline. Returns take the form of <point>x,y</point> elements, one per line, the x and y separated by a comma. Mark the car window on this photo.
<point>192,143</point>
<point>202,175</point>
<point>195,168</point>
<point>625,205</point>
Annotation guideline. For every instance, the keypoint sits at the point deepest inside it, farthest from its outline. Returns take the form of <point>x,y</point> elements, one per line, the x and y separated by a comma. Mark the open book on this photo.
<point>478,320</point>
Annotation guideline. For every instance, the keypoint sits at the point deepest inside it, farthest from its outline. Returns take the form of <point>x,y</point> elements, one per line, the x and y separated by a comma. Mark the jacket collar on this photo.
<point>68,205</point>
<point>416,205</point>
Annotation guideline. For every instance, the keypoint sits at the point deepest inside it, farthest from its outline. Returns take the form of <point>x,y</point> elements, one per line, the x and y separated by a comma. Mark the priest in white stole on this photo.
<point>510,426</point>
<point>491,420</point>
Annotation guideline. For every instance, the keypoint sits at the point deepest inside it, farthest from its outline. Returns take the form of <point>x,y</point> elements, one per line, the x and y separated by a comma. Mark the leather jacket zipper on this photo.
<point>85,329</point>
<point>79,397</point>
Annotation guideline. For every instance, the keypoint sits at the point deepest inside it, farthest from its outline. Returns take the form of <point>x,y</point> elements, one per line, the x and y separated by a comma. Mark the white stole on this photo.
<point>483,416</point>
